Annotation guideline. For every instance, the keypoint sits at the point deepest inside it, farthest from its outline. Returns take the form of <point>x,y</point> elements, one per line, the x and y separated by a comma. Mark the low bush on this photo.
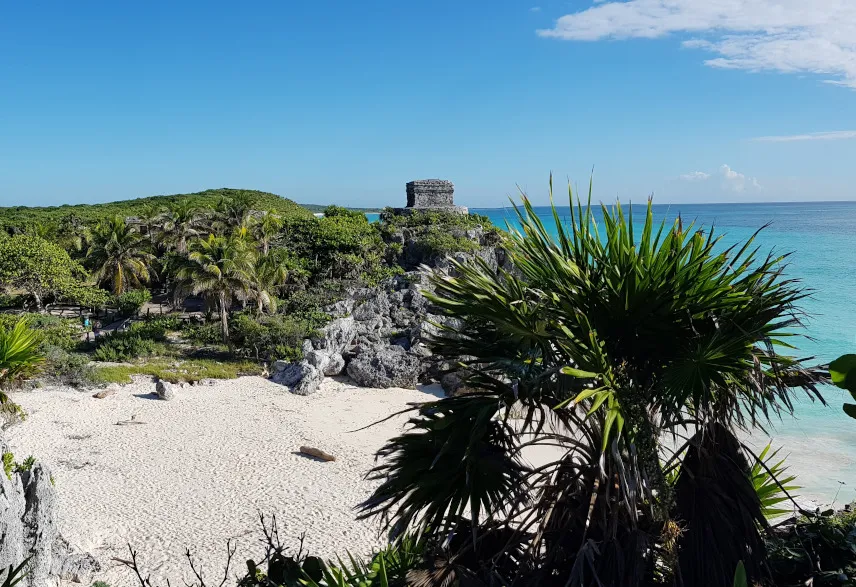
<point>123,346</point>
<point>65,368</point>
<point>207,334</point>
<point>53,331</point>
<point>130,302</point>
<point>274,337</point>
<point>817,550</point>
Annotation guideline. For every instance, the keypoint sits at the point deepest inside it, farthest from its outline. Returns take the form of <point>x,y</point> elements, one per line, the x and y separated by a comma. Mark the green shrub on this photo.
<point>341,246</point>
<point>8,464</point>
<point>208,334</point>
<point>123,346</point>
<point>64,368</point>
<point>130,302</point>
<point>273,337</point>
<point>11,414</point>
<point>166,321</point>
<point>53,330</point>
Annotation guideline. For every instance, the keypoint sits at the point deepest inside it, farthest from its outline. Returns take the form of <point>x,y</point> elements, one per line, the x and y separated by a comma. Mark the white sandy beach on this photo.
<point>198,470</point>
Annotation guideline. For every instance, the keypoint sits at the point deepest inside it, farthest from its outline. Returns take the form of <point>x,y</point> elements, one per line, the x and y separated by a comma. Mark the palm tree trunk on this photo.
<point>224,320</point>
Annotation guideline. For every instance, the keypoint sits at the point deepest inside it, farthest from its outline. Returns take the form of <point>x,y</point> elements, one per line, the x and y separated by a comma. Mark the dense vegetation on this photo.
<point>255,270</point>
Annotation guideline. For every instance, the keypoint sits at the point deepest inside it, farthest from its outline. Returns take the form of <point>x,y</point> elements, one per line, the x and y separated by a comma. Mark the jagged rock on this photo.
<point>69,565</point>
<point>289,374</point>
<point>312,378</point>
<point>384,367</point>
<point>453,384</point>
<point>165,390</point>
<point>279,366</point>
<point>335,366</point>
<point>40,529</point>
<point>402,317</point>
<point>303,378</point>
<point>28,528</point>
<point>307,346</point>
<point>12,505</point>
<point>337,336</point>
<point>328,364</point>
<point>341,308</point>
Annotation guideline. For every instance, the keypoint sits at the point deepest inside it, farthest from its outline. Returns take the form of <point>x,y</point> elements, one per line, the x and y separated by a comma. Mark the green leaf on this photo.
<point>740,576</point>
<point>842,371</point>
<point>578,373</point>
<point>850,410</point>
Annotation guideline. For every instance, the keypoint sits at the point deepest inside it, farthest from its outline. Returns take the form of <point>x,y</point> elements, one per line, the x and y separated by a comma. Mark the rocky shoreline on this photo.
<point>378,336</point>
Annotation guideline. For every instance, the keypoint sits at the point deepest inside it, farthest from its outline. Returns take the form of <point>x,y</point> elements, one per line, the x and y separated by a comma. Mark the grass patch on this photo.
<point>178,371</point>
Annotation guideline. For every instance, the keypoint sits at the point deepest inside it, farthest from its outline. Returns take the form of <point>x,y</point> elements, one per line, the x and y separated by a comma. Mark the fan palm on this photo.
<point>603,345</point>
<point>220,269</point>
<point>118,256</point>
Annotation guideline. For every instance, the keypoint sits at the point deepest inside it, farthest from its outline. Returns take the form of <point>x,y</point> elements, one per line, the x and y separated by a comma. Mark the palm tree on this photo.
<point>178,224</point>
<point>220,269</point>
<point>266,227</point>
<point>118,255</point>
<point>270,273</point>
<point>604,351</point>
<point>232,213</point>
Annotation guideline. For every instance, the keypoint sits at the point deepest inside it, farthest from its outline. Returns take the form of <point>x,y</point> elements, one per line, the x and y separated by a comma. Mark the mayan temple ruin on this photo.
<point>431,195</point>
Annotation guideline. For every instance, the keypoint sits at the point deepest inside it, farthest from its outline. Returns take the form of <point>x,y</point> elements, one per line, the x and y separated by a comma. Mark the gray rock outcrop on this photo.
<point>28,530</point>
<point>383,367</point>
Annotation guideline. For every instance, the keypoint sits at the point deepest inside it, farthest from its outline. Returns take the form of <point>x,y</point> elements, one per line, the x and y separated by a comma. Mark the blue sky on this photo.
<point>343,102</point>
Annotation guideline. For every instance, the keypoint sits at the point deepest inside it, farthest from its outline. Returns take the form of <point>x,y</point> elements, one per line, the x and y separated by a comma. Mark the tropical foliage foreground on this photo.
<point>632,358</point>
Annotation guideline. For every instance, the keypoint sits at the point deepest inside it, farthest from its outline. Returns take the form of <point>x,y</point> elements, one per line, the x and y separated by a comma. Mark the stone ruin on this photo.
<point>431,195</point>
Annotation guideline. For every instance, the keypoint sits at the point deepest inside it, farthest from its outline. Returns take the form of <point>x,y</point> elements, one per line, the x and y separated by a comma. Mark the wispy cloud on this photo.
<point>730,180</point>
<point>535,9</point>
<point>788,36</point>
<point>833,135</point>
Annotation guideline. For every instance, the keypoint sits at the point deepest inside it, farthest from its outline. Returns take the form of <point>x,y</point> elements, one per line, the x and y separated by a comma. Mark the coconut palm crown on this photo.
<point>118,255</point>
<point>221,269</point>
<point>631,359</point>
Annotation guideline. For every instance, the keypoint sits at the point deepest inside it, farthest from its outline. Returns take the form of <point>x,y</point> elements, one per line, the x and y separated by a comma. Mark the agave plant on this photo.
<point>20,355</point>
<point>604,348</point>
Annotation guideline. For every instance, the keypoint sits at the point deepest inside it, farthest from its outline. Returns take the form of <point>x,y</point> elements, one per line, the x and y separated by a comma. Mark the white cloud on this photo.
<point>695,176</point>
<point>731,180</point>
<point>833,135</point>
<point>535,9</point>
<point>789,36</point>
<point>736,182</point>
